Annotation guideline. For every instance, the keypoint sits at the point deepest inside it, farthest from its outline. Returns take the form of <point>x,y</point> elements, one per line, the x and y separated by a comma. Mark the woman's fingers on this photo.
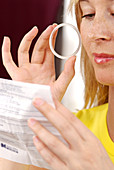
<point>54,36</point>
<point>59,122</point>
<point>42,52</point>
<point>23,51</point>
<point>65,77</point>
<point>51,141</point>
<point>7,57</point>
<point>48,156</point>
<point>80,128</point>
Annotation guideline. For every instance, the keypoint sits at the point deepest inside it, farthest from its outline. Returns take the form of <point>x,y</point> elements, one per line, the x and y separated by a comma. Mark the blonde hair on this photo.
<point>93,89</point>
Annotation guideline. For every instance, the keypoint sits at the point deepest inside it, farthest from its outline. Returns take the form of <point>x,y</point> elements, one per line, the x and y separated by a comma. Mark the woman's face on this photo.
<point>97,32</point>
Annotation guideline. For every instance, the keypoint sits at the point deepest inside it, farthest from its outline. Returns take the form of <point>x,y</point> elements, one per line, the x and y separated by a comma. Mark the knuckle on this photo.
<point>22,50</point>
<point>40,48</point>
<point>5,62</point>
<point>41,147</point>
<point>50,159</point>
<point>65,126</point>
<point>38,129</point>
<point>28,37</point>
<point>46,154</point>
<point>52,143</point>
<point>44,36</point>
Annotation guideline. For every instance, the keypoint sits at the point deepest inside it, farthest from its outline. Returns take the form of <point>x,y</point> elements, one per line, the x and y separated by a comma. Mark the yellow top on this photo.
<point>95,120</point>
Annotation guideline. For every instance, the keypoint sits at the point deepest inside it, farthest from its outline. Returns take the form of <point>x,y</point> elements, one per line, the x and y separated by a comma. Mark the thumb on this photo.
<point>65,77</point>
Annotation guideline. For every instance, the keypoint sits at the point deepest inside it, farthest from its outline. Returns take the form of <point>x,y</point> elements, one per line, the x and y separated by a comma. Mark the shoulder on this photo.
<point>94,110</point>
<point>92,115</point>
<point>95,120</point>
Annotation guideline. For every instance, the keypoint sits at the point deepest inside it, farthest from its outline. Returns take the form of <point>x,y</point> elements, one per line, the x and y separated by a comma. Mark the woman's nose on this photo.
<point>100,30</point>
<point>99,36</point>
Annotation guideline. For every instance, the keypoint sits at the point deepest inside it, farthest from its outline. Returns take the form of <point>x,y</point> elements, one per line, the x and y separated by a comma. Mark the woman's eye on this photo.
<point>88,16</point>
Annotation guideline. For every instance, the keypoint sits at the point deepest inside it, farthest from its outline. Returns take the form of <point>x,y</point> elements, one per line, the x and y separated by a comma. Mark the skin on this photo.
<point>97,33</point>
<point>40,70</point>
<point>83,147</point>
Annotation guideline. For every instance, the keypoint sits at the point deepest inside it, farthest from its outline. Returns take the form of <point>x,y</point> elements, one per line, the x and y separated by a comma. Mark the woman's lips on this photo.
<point>102,58</point>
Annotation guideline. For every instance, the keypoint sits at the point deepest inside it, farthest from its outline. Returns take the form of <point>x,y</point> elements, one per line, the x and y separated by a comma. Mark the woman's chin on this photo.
<point>105,79</point>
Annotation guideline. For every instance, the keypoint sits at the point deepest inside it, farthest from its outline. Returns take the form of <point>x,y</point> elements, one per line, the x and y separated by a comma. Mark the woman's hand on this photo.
<point>83,152</point>
<point>41,68</point>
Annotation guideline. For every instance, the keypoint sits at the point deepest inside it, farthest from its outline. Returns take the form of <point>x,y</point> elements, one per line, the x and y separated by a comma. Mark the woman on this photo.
<point>95,20</point>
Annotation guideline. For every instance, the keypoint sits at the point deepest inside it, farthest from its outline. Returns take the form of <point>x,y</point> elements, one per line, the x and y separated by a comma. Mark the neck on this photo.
<point>110,115</point>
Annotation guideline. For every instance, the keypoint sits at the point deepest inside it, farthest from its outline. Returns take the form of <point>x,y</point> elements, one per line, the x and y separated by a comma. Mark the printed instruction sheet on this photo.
<point>16,143</point>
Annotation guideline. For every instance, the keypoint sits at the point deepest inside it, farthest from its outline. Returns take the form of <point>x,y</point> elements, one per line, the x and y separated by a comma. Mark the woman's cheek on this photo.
<point>86,41</point>
<point>84,36</point>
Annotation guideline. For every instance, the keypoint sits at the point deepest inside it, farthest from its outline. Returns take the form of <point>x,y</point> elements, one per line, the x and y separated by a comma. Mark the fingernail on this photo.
<point>54,24</point>
<point>5,38</point>
<point>35,139</point>
<point>32,122</point>
<point>38,102</point>
<point>35,27</point>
